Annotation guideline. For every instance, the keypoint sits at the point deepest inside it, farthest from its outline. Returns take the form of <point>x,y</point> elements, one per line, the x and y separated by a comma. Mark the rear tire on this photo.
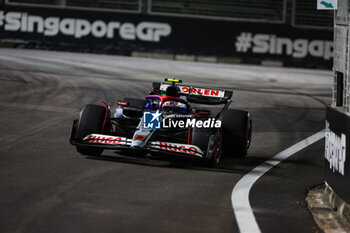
<point>91,120</point>
<point>237,130</point>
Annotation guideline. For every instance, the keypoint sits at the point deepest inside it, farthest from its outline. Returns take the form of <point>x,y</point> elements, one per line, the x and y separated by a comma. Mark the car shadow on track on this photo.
<point>226,165</point>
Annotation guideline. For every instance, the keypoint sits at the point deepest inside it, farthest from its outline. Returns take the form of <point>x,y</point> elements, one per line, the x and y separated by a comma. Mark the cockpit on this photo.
<point>167,104</point>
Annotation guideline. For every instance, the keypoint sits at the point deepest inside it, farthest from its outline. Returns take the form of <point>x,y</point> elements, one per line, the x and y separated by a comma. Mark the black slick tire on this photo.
<point>237,130</point>
<point>91,120</point>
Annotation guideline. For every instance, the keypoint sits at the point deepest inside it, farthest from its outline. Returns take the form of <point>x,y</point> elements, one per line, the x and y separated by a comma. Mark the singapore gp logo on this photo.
<point>152,120</point>
<point>79,28</point>
<point>271,44</point>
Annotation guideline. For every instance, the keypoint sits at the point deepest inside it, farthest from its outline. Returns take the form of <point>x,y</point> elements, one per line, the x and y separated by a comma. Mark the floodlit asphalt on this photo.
<point>46,186</point>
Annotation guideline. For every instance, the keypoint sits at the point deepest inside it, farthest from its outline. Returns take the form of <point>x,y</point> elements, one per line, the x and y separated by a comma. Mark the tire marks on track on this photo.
<point>36,212</point>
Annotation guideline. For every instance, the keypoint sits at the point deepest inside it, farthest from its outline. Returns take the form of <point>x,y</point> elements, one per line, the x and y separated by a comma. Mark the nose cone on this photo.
<point>140,134</point>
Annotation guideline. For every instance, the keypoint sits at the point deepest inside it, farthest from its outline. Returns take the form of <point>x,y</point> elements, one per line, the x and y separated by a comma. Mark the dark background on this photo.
<point>339,123</point>
<point>193,36</point>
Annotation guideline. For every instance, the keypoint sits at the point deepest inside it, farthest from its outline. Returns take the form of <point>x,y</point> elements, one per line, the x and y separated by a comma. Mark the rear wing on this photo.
<point>196,94</point>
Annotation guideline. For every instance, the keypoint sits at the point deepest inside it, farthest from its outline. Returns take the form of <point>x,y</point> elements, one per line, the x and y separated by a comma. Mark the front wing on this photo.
<point>116,142</point>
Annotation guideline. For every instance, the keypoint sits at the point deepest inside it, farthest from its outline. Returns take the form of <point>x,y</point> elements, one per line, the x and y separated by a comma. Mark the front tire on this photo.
<point>92,120</point>
<point>213,152</point>
<point>206,139</point>
<point>237,131</point>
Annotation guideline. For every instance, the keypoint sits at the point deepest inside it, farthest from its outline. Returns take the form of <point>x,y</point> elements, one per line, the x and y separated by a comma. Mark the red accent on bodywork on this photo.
<point>104,121</point>
<point>177,148</point>
<point>164,97</point>
<point>123,103</point>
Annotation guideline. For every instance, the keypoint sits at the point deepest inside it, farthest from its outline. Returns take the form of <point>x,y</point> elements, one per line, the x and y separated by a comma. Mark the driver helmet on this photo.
<point>172,91</point>
<point>168,107</point>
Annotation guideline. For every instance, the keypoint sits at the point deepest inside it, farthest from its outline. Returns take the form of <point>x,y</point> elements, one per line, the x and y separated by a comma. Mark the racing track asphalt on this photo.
<point>46,186</point>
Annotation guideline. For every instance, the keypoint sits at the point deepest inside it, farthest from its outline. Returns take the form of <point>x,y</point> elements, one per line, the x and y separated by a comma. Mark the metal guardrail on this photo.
<point>305,14</point>
<point>245,10</point>
<point>130,5</point>
<point>36,2</point>
<point>108,5</point>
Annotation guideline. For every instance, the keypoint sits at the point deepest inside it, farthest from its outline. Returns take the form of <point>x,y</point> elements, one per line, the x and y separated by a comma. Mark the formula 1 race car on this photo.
<point>164,124</point>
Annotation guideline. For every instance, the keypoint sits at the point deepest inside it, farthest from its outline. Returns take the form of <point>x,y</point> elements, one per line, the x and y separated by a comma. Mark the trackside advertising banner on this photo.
<point>114,31</point>
<point>337,151</point>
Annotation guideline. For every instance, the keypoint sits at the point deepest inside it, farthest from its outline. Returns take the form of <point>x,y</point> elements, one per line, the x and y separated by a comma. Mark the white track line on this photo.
<point>240,193</point>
